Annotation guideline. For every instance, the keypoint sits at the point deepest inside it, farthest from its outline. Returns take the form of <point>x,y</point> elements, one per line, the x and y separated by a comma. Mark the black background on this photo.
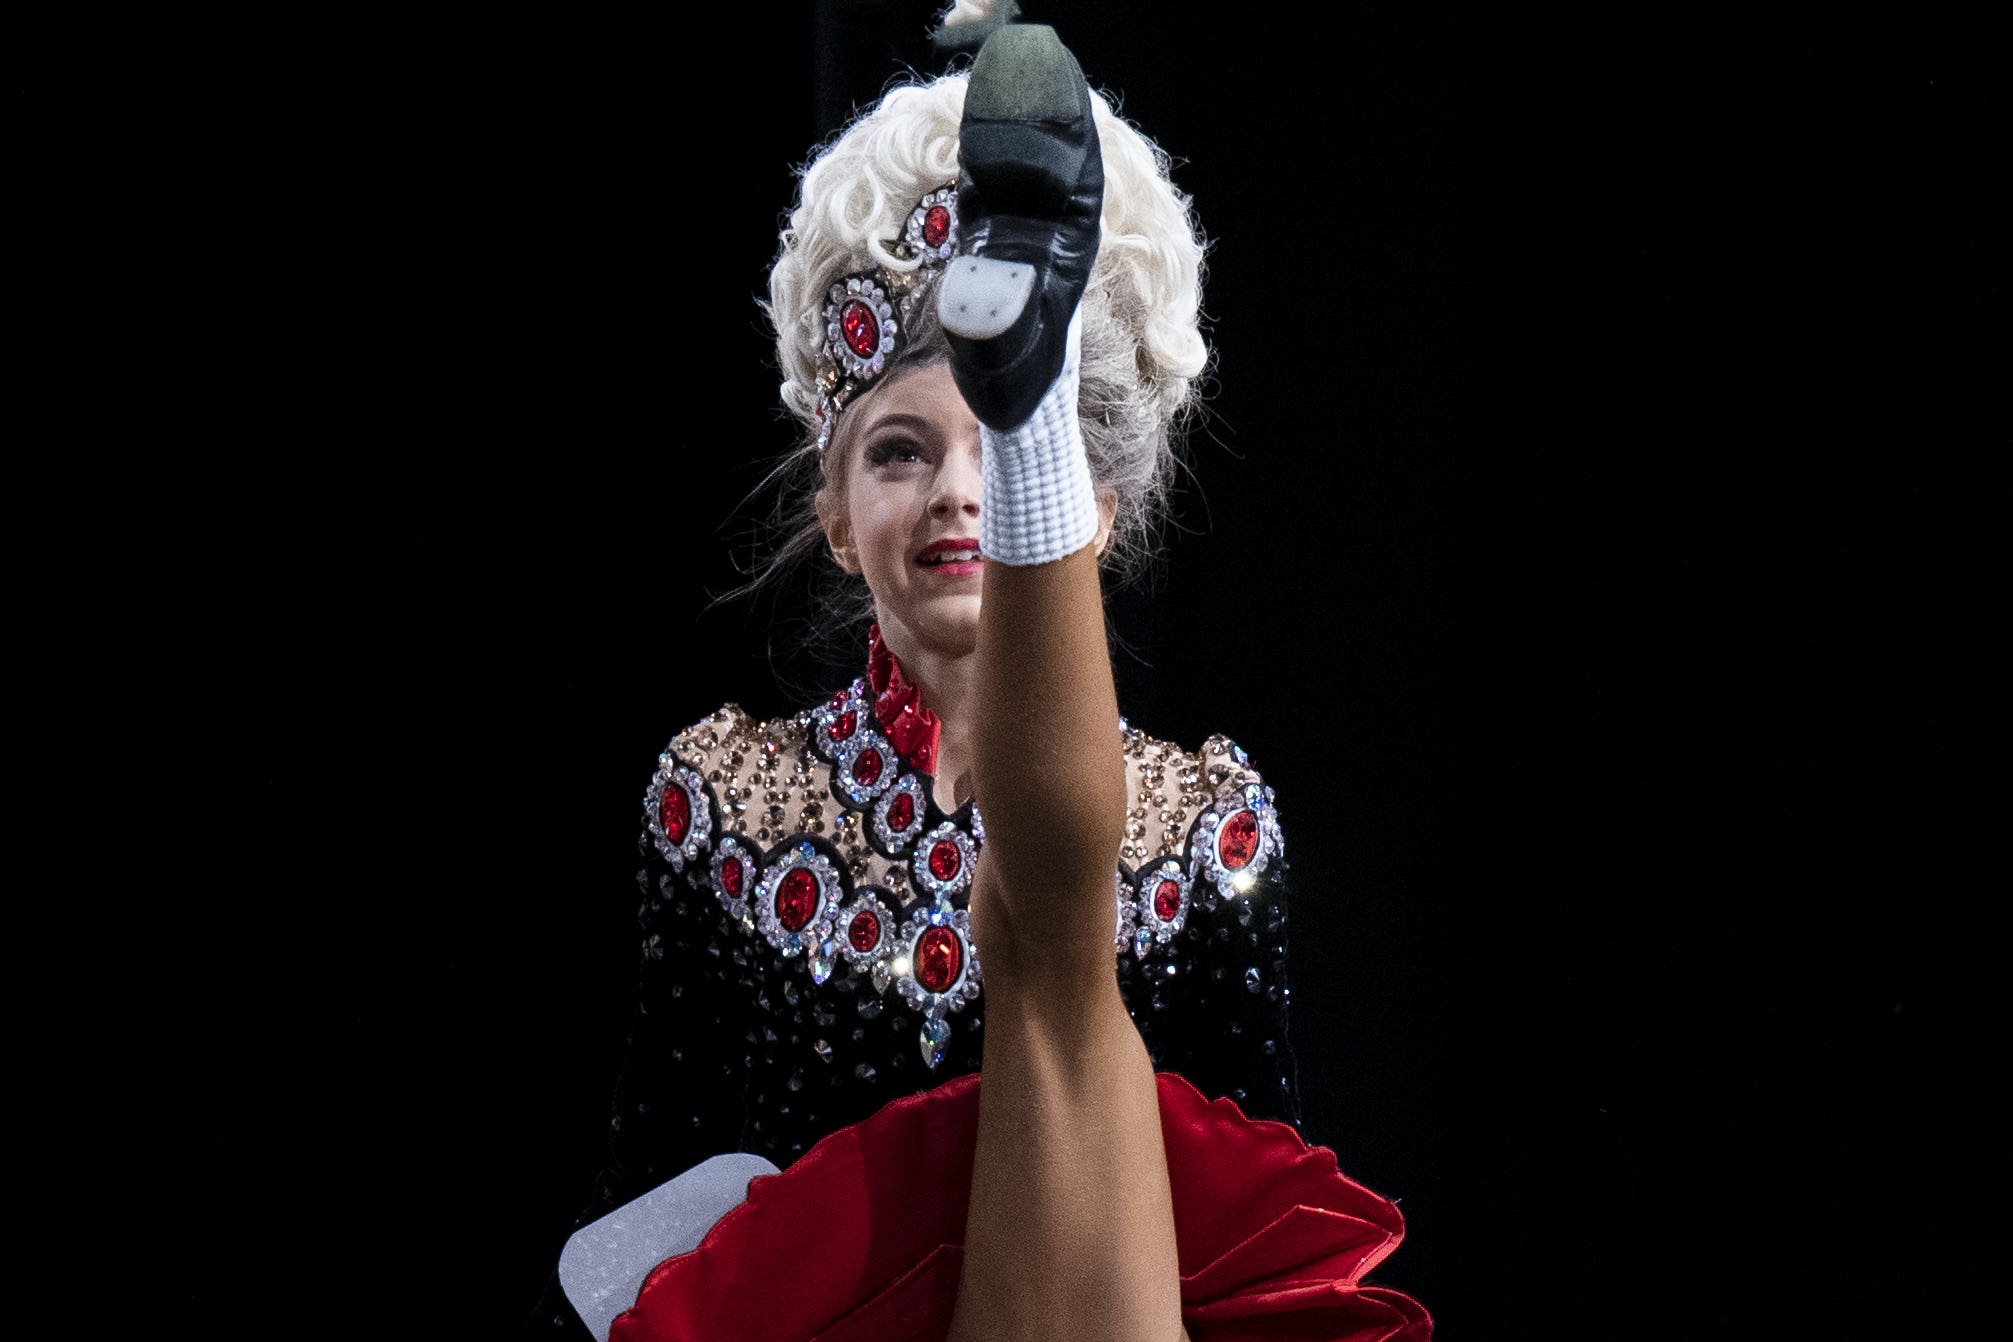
<point>1578,539</point>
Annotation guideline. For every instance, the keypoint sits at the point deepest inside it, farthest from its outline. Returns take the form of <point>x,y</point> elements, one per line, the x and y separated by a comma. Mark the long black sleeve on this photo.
<point>681,1097</point>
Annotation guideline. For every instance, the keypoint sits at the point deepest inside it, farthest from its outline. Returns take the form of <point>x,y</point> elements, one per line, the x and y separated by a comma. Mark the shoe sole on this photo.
<point>1025,89</point>
<point>980,298</point>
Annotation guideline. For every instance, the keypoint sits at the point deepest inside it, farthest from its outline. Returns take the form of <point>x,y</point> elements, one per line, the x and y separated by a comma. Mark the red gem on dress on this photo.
<point>901,812</point>
<point>865,931</point>
<point>945,860</point>
<point>842,726</point>
<point>1238,843</point>
<point>730,876</point>
<point>676,812</point>
<point>939,956</point>
<point>796,899</point>
<point>861,330</point>
<point>1167,900</point>
<point>867,767</point>
<point>936,225</point>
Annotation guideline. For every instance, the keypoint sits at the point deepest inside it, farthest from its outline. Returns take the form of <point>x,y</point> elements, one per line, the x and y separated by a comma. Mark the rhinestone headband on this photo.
<point>865,313</point>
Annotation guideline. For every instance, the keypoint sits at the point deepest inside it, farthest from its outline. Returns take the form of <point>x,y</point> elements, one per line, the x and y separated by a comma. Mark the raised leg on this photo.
<point>1071,1228</point>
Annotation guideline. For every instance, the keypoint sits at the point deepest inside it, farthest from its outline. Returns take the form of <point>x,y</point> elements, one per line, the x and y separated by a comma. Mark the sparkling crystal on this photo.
<point>1252,983</point>
<point>821,962</point>
<point>935,1035</point>
<point>1237,843</point>
<point>842,726</point>
<point>1167,900</point>
<point>861,331</point>
<point>881,976</point>
<point>944,859</point>
<point>796,899</point>
<point>731,876</point>
<point>936,225</point>
<point>867,767</point>
<point>794,943</point>
<point>796,1081</point>
<point>901,812</point>
<point>676,813</point>
<point>865,931</point>
<point>870,1008</point>
<point>939,957</point>
<point>1142,942</point>
<point>823,1049</point>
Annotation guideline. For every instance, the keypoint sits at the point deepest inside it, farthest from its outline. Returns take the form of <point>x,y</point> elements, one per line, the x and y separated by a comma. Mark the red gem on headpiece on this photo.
<point>842,726</point>
<point>796,899</point>
<point>936,225</point>
<point>867,767</point>
<point>839,698</point>
<point>676,812</point>
<point>860,328</point>
<point>938,958</point>
<point>1167,900</point>
<point>901,812</point>
<point>865,931</point>
<point>945,860</point>
<point>730,876</point>
<point>1238,843</point>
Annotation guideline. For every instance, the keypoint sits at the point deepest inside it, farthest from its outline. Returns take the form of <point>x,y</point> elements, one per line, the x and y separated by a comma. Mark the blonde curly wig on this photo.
<point>1142,348</point>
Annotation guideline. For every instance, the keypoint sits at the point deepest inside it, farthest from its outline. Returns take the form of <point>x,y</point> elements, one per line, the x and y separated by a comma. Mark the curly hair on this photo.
<point>1143,351</point>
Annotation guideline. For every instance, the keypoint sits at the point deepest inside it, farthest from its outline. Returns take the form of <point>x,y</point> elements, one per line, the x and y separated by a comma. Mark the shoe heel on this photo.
<point>1025,73</point>
<point>980,298</point>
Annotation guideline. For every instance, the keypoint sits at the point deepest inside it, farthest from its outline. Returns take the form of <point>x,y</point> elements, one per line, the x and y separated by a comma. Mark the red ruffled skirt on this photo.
<point>861,1240</point>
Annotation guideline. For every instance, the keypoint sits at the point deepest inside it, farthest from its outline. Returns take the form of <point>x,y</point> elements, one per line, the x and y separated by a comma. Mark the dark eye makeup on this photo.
<point>893,449</point>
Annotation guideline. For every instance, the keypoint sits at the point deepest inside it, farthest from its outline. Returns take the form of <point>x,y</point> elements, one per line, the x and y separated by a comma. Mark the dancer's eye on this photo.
<point>893,449</point>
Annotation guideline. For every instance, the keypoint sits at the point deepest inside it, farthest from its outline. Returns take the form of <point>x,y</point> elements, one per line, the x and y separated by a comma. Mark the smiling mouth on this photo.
<point>952,559</point>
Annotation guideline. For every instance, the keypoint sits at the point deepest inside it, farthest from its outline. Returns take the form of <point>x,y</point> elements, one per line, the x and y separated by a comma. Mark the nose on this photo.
<point>959,482</point>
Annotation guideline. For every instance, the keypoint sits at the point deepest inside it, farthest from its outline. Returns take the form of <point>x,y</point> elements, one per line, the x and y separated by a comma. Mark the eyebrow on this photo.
<point>904,418</point>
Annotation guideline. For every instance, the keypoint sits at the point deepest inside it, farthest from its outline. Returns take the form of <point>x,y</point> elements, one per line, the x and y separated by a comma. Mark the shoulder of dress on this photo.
<point>731,730</point>
<point>709,778</point>
<point>1209,809</point>
<point>1220,768</point>
<point>1226,767</point>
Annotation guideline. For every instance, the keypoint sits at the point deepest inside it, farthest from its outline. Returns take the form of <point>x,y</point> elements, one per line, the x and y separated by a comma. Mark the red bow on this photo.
<point>911,728</point>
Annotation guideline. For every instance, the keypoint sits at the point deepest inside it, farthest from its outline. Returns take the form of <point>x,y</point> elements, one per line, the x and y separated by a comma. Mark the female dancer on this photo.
<point>986,312</point>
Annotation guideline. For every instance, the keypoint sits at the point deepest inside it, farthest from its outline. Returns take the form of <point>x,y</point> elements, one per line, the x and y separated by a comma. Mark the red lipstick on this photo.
<point>928,557</point>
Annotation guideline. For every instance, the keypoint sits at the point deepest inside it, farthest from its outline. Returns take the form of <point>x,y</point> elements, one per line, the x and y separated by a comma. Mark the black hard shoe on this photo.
<point>1030,192</point>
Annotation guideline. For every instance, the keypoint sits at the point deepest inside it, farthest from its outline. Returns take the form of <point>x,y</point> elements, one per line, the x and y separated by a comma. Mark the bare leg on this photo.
<point>1071,1228</point>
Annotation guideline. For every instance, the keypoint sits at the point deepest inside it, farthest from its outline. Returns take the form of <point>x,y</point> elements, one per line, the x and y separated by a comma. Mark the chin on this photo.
<point>950,625</point>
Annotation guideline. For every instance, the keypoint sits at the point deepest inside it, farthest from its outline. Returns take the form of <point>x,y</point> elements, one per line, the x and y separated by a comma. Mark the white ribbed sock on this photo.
<point>1038,504</point>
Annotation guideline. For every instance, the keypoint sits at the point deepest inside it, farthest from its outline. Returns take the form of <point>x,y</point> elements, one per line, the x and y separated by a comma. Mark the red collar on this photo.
<point>911,728</point>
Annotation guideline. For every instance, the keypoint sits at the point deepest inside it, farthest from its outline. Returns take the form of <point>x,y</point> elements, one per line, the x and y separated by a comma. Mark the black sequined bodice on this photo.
<point>807,955</point>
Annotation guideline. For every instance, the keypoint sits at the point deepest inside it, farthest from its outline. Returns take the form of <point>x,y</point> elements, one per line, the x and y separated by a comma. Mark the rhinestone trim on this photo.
<point>818,929</point>
<point>671,773</point>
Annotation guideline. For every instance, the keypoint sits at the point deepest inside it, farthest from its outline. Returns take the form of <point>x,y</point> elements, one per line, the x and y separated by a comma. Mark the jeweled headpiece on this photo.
<point>866,313</point>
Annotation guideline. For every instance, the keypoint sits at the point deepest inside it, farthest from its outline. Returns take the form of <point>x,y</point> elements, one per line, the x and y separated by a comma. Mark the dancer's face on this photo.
<point>910,478</point>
